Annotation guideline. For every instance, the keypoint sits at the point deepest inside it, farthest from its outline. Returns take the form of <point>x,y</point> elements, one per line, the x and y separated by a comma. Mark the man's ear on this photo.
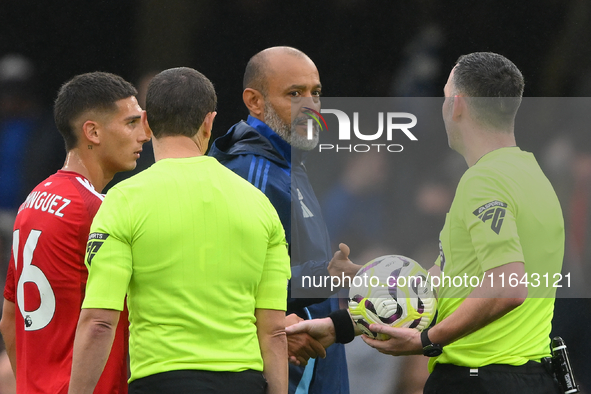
<point>91,131</point>
<point>254,101</point>
<point>208,124</point>
<point>146,126</point>
<point>459,107</point>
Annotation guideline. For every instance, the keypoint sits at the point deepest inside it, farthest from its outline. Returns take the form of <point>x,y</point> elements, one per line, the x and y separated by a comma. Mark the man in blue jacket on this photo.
<point>269,154</point>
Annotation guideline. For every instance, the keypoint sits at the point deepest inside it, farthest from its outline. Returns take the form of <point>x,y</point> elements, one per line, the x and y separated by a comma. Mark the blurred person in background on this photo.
<point>31,149</point>
<point>568,163</point>
<point>30,146</point>
<point>361,190</point>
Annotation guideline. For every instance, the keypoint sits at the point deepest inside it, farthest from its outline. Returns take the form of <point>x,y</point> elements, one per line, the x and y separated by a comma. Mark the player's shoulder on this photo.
<point>57,207</point>
<point>85,191</point>
<point>71,182</point>
<point>62,190</point>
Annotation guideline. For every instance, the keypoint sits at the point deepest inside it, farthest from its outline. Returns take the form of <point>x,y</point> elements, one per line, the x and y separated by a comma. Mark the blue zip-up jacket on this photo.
<point>255,152</point>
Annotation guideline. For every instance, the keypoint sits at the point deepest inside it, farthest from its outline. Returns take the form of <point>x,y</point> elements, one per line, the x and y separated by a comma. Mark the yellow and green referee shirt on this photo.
<point>505,210</point>
<point>197,249</point>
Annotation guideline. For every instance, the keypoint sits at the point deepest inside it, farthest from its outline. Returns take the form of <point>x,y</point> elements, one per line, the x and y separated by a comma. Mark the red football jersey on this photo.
<point>47,279</point>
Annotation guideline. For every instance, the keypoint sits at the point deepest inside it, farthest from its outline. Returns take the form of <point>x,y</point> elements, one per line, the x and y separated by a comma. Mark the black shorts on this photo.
<point>530,378</point>
<point>200,382</point>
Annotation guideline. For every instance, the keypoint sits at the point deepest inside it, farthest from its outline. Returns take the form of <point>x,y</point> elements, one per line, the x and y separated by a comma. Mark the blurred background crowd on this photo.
<point>379,204</point>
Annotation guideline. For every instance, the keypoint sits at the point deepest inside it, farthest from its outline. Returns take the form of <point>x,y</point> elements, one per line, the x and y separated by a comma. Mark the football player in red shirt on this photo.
<point>100,120</point>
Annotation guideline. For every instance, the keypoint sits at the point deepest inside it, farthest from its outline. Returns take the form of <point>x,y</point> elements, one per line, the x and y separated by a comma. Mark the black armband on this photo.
<point>343,326</point>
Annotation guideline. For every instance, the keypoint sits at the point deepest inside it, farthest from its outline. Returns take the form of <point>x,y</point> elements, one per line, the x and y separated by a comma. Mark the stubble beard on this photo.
<point>288,131</point>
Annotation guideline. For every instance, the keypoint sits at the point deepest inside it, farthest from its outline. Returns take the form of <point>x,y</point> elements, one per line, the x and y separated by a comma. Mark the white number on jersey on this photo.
<point>39,318</point>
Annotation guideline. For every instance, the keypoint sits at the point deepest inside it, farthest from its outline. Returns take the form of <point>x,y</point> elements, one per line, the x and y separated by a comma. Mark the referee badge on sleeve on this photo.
<point>494,210</point>
<point>95,241</point>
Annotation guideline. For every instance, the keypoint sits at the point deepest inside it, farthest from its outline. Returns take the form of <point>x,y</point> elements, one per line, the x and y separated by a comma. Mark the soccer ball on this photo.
<point>394,291</point>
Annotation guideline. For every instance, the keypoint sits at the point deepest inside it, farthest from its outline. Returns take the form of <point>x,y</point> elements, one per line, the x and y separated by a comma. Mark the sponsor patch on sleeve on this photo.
<point>95,241</point>
<point>494,211</point>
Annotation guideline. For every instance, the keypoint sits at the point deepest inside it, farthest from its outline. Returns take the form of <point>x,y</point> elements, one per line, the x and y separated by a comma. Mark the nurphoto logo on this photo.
<point>389,123</point>
<point>316,116</point>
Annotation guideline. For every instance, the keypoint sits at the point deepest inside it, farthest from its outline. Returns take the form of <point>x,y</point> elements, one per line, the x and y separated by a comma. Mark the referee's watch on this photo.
<point>430,349</point>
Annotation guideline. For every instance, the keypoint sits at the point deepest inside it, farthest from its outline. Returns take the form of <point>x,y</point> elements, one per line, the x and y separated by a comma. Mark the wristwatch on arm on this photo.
<point>430,349</point>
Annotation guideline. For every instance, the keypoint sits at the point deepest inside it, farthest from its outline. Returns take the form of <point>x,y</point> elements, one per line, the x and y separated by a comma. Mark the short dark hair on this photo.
<point>255,74</point>
<point>177,101</point>
<point>493,84</point>
<point>91,91</point>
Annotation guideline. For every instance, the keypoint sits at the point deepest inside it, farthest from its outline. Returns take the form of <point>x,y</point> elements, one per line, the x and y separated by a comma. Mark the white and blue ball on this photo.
<point>394,291</point>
